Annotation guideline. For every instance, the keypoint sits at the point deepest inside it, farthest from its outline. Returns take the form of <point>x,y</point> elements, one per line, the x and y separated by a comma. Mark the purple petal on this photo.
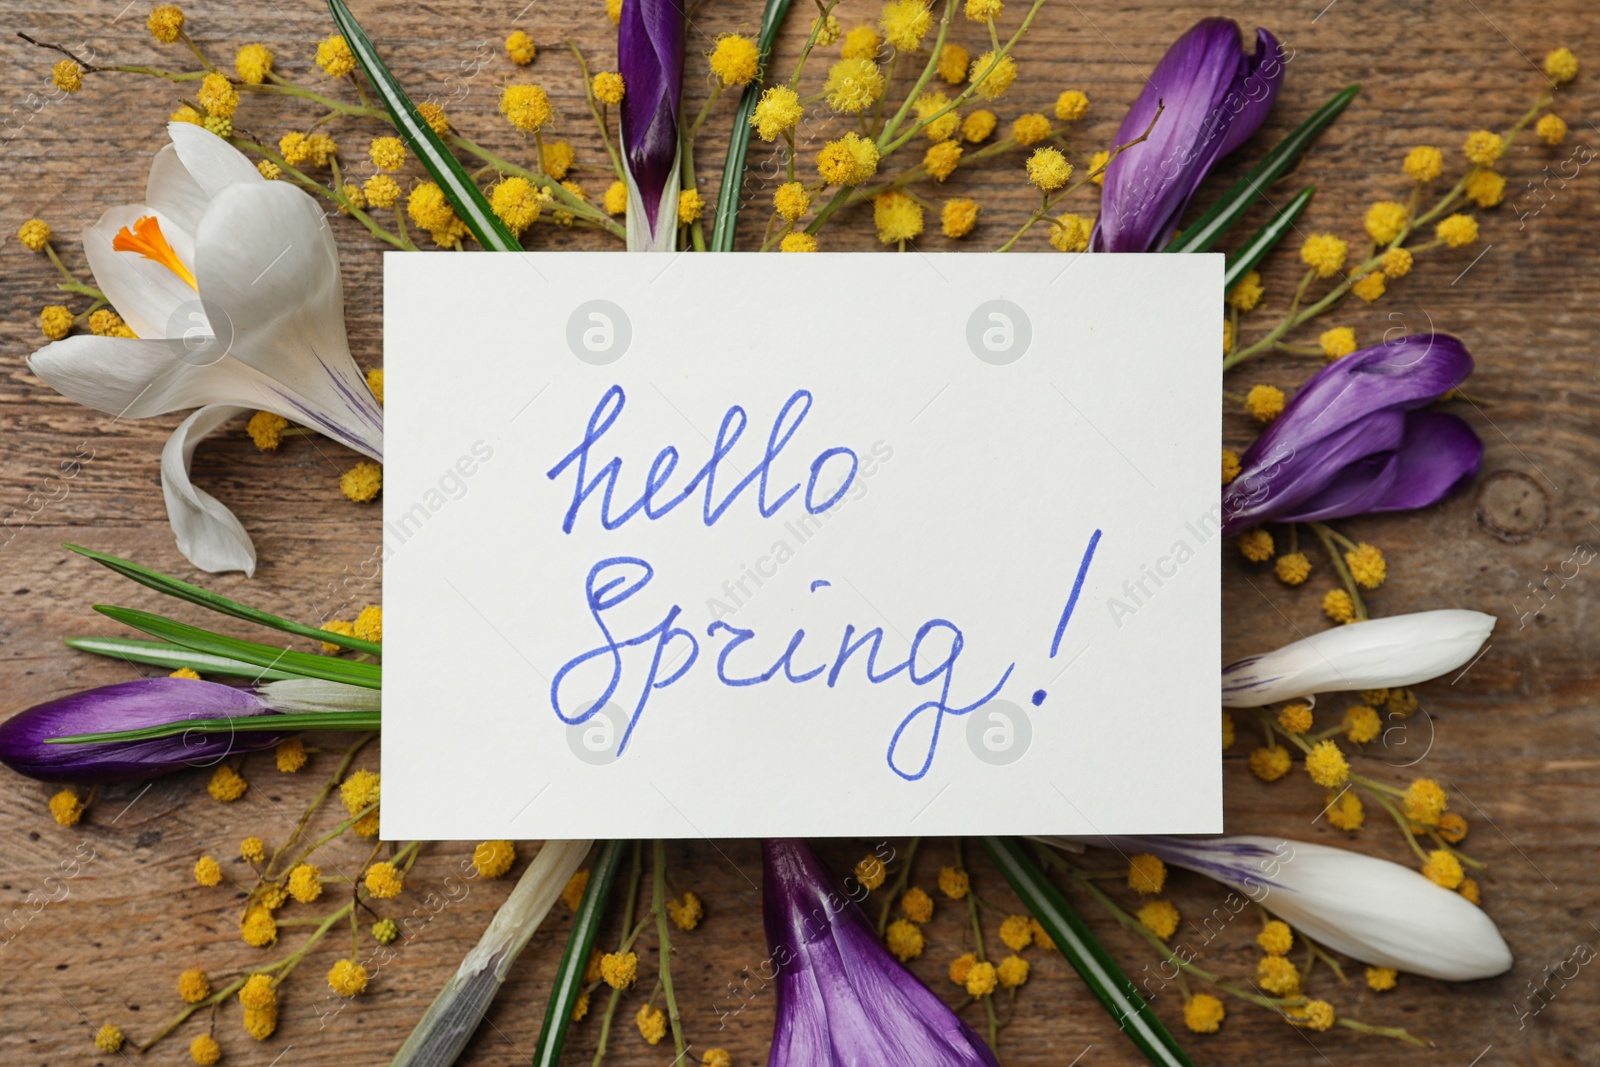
<point>1214,98</point>
<point>128,706</point>
<point>650,59</point>
<point>1440,454</point>
<point>1281,481</point>
<point>842,999</point>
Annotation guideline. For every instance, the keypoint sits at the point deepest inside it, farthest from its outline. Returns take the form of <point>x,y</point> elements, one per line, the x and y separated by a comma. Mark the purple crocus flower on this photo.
<point>650,59</point>
<point>843,1000</point>
<point>1353,441</point>
<point>129,706</point>
<point>1215,97</point>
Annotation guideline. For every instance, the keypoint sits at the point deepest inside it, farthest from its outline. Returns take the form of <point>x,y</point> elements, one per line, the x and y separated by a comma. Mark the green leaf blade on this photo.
<point>169,656</point>
<point>575,957</point>
<point>266,723</point>
<point>300,664</point>
<point>727,220</point>
<point>194,594</point>
<point>1209,228</point>
<point>1113,988</point>
<point>464,194</point>
<point>1265,239</point>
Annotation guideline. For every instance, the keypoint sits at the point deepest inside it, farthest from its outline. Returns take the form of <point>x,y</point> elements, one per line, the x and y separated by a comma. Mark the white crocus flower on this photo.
<point>231,284</point>
<point>1385,653</point>
<point>1367,908</point>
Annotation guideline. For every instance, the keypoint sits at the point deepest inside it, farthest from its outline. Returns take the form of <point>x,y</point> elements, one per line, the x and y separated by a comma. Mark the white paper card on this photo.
<point>821,545</point>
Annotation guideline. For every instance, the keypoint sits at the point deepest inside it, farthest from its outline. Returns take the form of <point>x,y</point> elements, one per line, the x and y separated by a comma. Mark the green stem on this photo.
<point>664,933</point>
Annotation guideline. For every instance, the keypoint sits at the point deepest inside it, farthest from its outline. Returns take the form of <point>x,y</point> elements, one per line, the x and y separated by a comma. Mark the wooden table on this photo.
<point>1515,738</point>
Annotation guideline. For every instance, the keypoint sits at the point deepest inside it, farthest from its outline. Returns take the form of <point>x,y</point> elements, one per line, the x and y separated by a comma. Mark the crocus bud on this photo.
<point>129,706</point>
<point>1353,440</point>
<point>650,60</point>
<point>1214,97</point>
<point>842,999</point>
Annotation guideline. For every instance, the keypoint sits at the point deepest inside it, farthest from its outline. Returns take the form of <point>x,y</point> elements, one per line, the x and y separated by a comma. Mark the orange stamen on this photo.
<point>148,241</point>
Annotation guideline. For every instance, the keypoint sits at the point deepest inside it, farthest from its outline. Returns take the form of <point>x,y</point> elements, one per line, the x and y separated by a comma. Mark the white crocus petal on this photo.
<point>211,162</point>
<point>172,193</point>
<point>208,535</point>
<point>1396,650</point>
<point>136,378</point>
<point>316,695</point>
<point>151,299</point>
<point>1367,908</point>
<point>269,278</point>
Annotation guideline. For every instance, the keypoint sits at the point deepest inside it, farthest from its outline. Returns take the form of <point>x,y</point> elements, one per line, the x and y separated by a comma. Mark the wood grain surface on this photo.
<point>1516,737</point>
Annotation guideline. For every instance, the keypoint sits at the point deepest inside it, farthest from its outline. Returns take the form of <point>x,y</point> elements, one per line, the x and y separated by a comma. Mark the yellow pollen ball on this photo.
<point>204,1050</point>
<point>1270,764</point>
<point>384,931</point>
<point>777,111</point>
<point>958,217</point>
<point>687,912</point>
<point>984,10</point>
<point>572,893</point>
<point>1030,129</point>
<point>266,430</point>
<point>66,76</point>
<point>108,1039</point>
<point>520,48</point>
<point>1275,938</point>
<point>360,791</point>
<point>1457,230</point>
<point>193,986</point>
<point>435,117</point>
<point>1097,165</point>
<point>1230,465</point>
<point>609,87</point>
<point>1367,565</point>
<point>66,808</point>
<point>381,191</point>
<point>953,63</point>
<point>337,626</point>
<point>827,30</point>
<point>1382,979</point>
<point>362,482</point>
<point>375,383</point>
<point>335,58</point>
<point>1551,128</point>
<point>347,978</point>
<point>619,969</point>
<point>797,242</point>
<point>34,235</point>
<point>384,881</point>
<point>1345,811</point>
<point>978,126</point>
<point>1561,66</point>
<point>1483,147</point>
<point>1486,188</point>
<point>652,1024</point>
<point>917,905</point>
<point>1203,1013</point>
<point>614,11</point>
<point>1424,163</point>
<point>1146,874</point>
<point>218,96</point>
<point>1160,917</point>
<point>1071,106</point>
<point>1338,606</point>
<point>1443,869</point>
<point>953,883</point>
<point>1040,936</point>
<point>992,83</point>
<point>897,216</point>
<point>305,882</point>
<point>1452,827</point>
<point>1292,568</point>
<point>1264,402</point>
<point>1385,219</point>
<point>1256,545</point>
<point>1070,233</point>
<point>1326,765</point>
<point>906,22</point>
<point>615,198</point>
<point>1361,723</point>
<point>691,205</point>
<point>1340,341</point>
<point>1295,718</point>
<point>1048,169</point>
<point>1247,292</point>
<point>1401,702</point>
<point>1015,932</point>
<point>791,200</point>
<point>253,63</point>
<point>1278,976</point>
<point>207,871</point>
<point>1425,802</point>
<point>1012,972</point>
<point>1371,286</point>
<point>1324,253</point>
<point>853,85</point>
<point>735,59</point>
<point>258,993</point>
<point>516,203</point>
<point>962,966</point>
<point>938,123</point>
<point>253,850</point>
<point>860,43</point>
<point>1469,889</point>
<point>871,872</point>
<point>941,159</point>
<point>165,23</point>
<point>1396,264</point>
<point>260,1024</point>
<point>258,928</point>
<point>904,939</point>
<point>1315,1015</point>
<point>226,785</point>
<point>387,153</point>
<point>848,161</point>
<point>526,107</point>
<point>55,321</point>
<point>981,980</point>
<point>492,859</point>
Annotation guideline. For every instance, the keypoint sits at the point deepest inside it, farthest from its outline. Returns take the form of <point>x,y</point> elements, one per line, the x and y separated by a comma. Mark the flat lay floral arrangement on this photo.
<point>186,306</point>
